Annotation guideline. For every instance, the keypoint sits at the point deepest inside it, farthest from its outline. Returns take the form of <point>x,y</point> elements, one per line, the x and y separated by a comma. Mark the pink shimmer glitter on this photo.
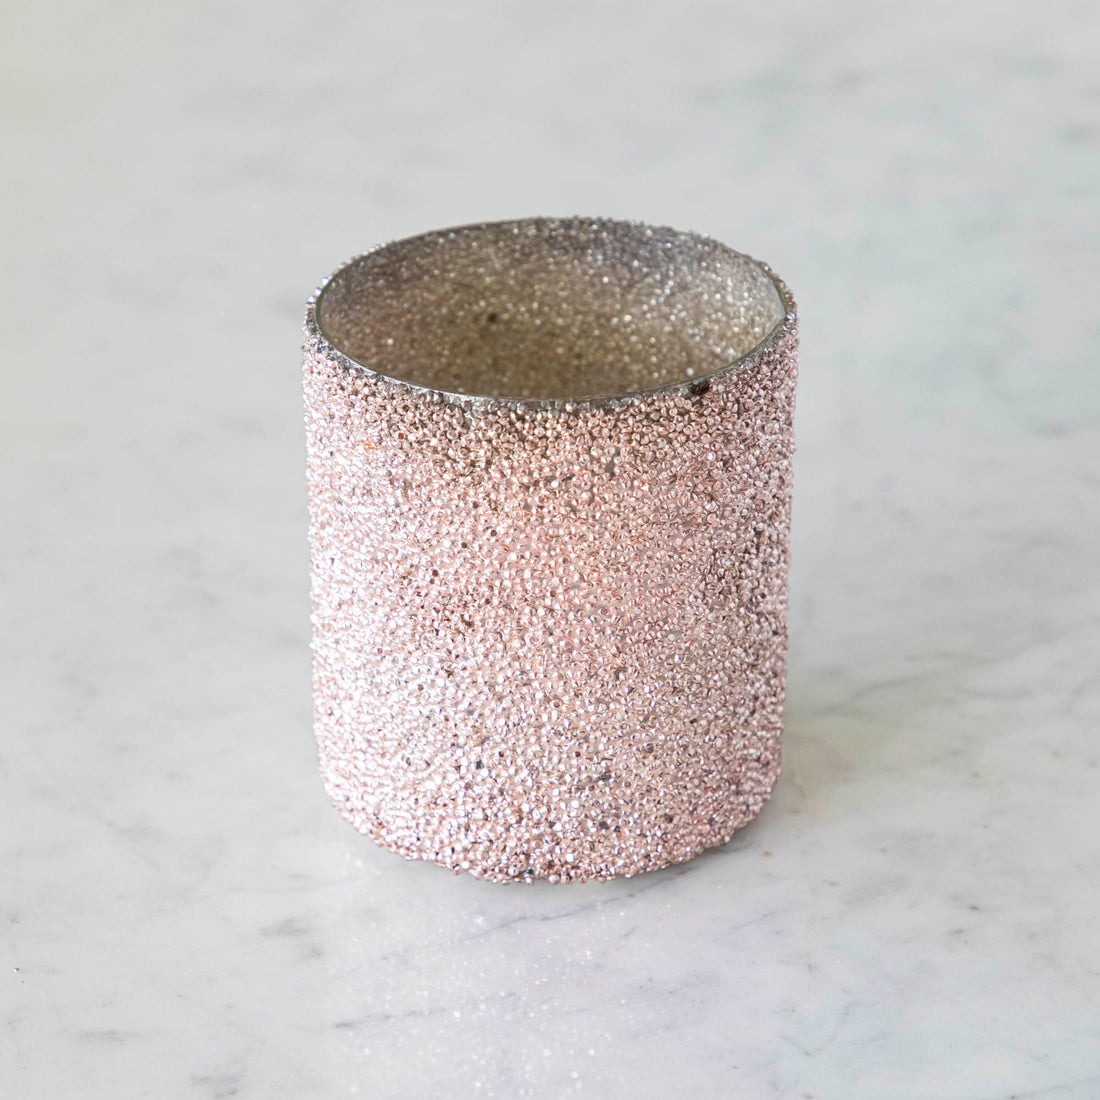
<point>549,475</point>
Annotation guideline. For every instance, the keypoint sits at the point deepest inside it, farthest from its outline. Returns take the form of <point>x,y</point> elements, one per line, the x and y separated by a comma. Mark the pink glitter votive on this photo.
<point>549,478</point>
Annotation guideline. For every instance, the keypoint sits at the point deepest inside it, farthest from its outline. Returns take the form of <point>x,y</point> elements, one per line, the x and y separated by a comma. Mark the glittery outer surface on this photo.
<point>550,633</point>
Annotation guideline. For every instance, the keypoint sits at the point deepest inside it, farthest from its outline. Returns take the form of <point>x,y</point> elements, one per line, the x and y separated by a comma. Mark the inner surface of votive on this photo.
<point>549,308</point>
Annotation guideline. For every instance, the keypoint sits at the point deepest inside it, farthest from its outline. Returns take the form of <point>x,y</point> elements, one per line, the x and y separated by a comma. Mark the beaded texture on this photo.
<point>549,635</point>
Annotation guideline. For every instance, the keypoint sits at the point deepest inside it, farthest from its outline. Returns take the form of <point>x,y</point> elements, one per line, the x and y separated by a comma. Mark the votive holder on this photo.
<point>549,469</point>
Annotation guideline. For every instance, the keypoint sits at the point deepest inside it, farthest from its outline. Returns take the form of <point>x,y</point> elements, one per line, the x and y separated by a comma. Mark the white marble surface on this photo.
<point>916,914</point>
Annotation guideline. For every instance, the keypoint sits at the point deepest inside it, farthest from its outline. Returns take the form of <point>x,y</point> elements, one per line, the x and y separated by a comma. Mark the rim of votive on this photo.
<point>617,230</point>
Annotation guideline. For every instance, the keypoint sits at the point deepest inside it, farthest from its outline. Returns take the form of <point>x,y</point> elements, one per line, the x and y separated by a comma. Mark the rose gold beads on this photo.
<point>549,474</point>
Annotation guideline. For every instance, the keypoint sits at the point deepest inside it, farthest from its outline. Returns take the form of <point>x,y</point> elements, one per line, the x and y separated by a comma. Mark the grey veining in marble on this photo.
<point>915,914</point>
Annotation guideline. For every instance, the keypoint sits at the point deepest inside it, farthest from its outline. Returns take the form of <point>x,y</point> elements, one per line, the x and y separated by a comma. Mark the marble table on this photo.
<point>915,914</point>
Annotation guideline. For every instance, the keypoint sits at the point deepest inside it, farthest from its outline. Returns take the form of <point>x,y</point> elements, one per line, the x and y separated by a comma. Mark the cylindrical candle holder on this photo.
<point>549,477</point>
